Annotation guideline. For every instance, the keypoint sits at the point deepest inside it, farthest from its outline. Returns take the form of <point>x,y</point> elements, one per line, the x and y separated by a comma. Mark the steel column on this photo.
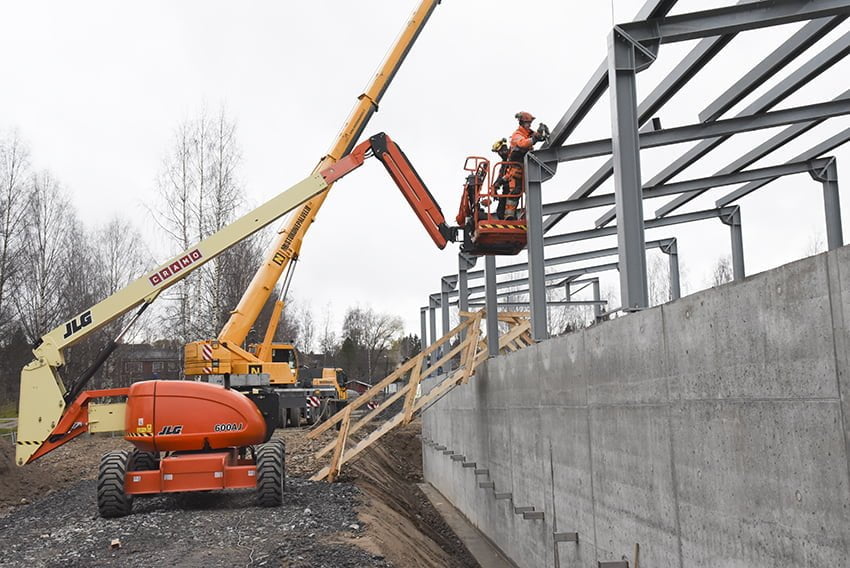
<point>831,203</point>
<point>622,76</point>
<point>423,327</point>
<point>597,295</point>
<point>672,252</point>
<point>463,283</point>
<point>446,286</point>
<point>534,175</point>
<point>491,306</point>
<point>432,312</point>
<point>733,219</point>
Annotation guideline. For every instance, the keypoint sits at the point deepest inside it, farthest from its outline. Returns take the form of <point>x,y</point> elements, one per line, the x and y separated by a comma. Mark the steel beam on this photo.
<point>666,137</point>
<point>650,224</point>
<point>690,65</point>
<point>598,83</point>
<point>695,185</point>
<point>826,146</point>
<point>790,49</point>
<point>828,176</point>
<point>837,51</point>
<point>663,244</point>
<point>800,77</point>
<point>732,19</point>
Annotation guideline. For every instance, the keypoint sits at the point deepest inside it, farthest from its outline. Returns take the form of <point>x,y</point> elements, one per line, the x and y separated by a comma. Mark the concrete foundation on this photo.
<point>713,431</point>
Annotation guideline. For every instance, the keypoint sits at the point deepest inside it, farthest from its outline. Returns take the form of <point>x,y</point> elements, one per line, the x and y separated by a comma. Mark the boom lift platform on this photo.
<point>484,233</point>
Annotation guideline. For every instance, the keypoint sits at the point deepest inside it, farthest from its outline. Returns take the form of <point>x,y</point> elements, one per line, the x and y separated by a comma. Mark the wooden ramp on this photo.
<point>468,344</point>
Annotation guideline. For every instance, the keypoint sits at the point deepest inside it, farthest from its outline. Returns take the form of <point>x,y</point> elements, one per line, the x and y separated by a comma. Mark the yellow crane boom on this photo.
<point>288,242</point>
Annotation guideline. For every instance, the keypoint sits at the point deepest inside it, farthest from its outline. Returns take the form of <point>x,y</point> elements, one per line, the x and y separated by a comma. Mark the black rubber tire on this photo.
<point>143,461</point>
<point>112,501</point>
<point>271,473</point>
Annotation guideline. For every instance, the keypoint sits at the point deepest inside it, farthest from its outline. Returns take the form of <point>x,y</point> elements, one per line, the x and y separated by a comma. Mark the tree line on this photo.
<point>53,266</point>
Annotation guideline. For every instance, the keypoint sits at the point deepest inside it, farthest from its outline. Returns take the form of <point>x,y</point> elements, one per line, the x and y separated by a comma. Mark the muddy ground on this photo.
<point>375,516</point>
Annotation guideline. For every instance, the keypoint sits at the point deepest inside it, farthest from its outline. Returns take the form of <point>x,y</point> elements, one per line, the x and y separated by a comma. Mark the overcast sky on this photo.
<point>98,88</point>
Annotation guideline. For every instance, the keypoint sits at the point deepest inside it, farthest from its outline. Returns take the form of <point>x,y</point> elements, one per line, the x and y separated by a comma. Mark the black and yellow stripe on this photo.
<point>498,226</point>
<point>29,443</point>
<point>139,434</point>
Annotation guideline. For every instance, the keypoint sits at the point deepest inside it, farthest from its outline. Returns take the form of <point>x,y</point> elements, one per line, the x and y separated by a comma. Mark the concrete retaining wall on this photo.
<point>713,431</point>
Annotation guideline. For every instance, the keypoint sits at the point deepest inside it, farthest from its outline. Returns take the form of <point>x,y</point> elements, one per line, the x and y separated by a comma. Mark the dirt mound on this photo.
<point>404,524</point>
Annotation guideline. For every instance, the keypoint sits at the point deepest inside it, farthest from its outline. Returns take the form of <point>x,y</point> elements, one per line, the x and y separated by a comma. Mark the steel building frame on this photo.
<point>632,47</point>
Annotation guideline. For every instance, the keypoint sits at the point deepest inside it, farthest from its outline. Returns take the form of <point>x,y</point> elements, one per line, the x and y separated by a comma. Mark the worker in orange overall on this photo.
<point>522,141</point>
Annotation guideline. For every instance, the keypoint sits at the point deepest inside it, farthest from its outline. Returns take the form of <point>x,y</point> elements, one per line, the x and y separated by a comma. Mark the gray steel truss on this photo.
<point>632,47</point>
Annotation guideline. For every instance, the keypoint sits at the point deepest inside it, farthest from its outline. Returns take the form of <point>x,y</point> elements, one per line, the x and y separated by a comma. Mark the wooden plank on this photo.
<point>445,359</point>
<point>362,445</point>
<point>366,419</point>
<point>469,363</point>
<point>340,445</point>
<point>378,387</point>
<point>413,386</point>
<point>477,354</point>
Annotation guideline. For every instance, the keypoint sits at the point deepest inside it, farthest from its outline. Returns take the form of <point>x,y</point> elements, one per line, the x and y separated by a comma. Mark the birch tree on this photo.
<point>200,194</point>
<point>39,299</point>
<point>14,172</point>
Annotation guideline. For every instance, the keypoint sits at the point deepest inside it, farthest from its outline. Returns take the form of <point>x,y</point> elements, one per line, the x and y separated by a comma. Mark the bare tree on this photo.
<point>39,297</point>
<point>327,339</point>
<point>658,279</point>
<point>14,171</point>
<point>371,333</point>
<point>722,271</point>
<point>306,330</point>
<point>199,195</point>
<point>815,244</point>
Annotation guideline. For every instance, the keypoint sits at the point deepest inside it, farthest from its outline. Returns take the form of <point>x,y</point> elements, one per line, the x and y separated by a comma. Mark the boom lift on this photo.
<point>187,435</point>
<point>213,437</point>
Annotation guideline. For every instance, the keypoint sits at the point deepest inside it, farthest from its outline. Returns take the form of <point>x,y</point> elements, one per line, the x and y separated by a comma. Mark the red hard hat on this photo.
<point>524,116</point>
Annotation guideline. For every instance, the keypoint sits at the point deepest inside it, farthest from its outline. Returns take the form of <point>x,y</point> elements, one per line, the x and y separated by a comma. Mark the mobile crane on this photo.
<point>270,372</point>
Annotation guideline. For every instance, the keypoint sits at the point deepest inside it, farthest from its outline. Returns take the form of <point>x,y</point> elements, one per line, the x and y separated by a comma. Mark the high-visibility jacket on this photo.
<point>522,141</point>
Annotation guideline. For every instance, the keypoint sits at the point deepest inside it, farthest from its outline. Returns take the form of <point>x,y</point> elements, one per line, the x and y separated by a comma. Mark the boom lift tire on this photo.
<point>112,501</point>
<point>271,473</point>
<point>143,461</point>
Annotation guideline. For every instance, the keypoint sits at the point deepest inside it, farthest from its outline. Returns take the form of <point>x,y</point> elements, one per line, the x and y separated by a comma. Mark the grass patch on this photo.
<point>8,410</point>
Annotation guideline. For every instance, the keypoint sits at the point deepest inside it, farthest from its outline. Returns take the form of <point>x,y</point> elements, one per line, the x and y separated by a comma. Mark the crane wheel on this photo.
<point>271,473</point>
<point>111,499</point>
<point>143,461</point>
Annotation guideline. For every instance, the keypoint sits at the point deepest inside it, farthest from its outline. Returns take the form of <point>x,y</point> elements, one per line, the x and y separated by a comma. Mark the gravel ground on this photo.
<point>374,517</point>
<point>213,529</point>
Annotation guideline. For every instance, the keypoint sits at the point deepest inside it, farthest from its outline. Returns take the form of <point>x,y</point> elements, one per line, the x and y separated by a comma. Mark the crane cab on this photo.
<point>485,230</point>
